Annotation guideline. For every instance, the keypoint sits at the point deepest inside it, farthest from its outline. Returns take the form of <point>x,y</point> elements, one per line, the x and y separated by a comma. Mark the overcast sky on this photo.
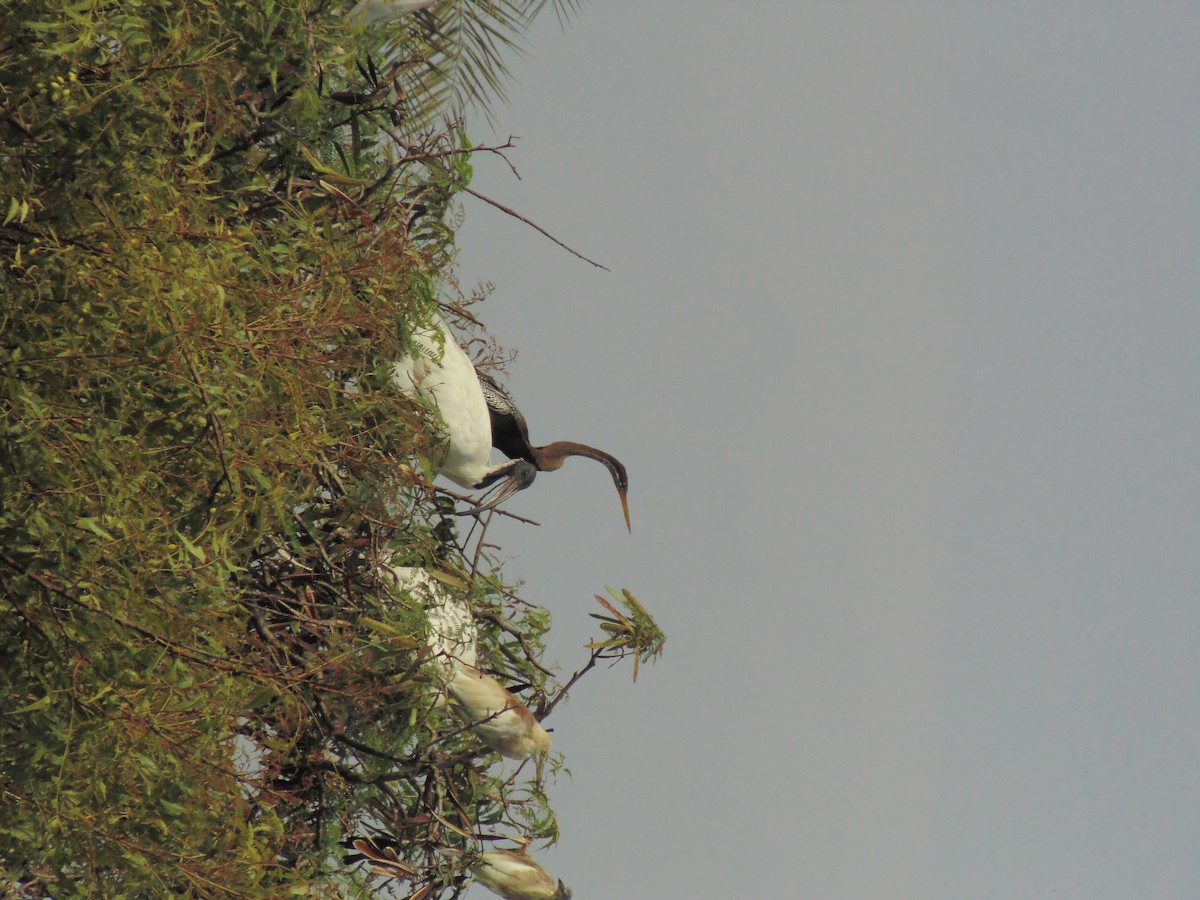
<point>900,348</point>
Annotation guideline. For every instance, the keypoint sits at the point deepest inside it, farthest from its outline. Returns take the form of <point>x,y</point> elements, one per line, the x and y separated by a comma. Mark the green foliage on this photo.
<point>632,633</point>
<point>216,221</point>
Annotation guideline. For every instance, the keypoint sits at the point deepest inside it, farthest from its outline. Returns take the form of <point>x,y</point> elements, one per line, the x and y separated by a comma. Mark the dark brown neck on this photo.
<point>552,456</point>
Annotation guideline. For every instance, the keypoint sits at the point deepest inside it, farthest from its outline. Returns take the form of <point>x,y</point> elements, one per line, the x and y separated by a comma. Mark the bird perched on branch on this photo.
<point>488,709</point>
<point>440,373</point>
<point>500,720</point>
<point>515,876</point>
<point>510,435</point>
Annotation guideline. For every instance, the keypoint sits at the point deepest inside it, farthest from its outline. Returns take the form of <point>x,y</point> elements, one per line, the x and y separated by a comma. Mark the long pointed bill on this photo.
<point>625,509</point>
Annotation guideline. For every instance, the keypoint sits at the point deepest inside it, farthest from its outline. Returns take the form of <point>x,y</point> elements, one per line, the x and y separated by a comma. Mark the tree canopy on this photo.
<point>220,220</point>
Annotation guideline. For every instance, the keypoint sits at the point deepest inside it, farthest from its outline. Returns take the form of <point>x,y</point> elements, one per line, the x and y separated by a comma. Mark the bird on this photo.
<point>510,435</point>
<point>485,706</point>
<point>515,876</point>
<point>452,630</point>
<point>498,718</point>
<point>440,373</point>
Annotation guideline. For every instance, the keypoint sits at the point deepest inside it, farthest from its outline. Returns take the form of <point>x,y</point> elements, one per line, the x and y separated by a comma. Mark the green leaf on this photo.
<point>191,548</point>
<point>91,524</point>
<point>40,703</point>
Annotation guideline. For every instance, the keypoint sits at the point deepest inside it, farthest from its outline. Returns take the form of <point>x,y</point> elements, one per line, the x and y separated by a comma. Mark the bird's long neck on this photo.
<point>552,456</point>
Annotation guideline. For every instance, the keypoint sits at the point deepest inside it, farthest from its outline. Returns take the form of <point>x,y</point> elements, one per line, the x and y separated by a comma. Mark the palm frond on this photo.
<point>455,55</point>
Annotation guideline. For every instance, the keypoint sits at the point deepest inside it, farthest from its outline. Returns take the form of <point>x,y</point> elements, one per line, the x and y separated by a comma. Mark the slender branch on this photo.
<point>535,226</point>
<point>479,544</point>
<point>548,708</point>
<point>467,498</point>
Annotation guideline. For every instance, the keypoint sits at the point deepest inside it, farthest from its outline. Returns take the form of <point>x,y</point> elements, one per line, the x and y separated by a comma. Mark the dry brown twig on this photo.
<point>520,218</point>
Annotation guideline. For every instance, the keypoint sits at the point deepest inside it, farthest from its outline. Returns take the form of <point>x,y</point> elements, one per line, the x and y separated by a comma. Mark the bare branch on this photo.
<point>535,226</point>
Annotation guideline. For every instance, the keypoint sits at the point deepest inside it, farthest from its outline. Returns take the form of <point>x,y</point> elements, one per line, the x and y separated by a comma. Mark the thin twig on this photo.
<point>546,709</point>
<point>467,498</point>
<point>535,226</point>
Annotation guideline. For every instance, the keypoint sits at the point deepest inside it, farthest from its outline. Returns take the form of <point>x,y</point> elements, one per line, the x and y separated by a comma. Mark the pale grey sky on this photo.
<point>900,349</point>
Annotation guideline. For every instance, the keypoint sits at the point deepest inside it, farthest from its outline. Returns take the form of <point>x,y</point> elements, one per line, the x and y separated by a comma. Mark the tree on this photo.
<point>219,220</point>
